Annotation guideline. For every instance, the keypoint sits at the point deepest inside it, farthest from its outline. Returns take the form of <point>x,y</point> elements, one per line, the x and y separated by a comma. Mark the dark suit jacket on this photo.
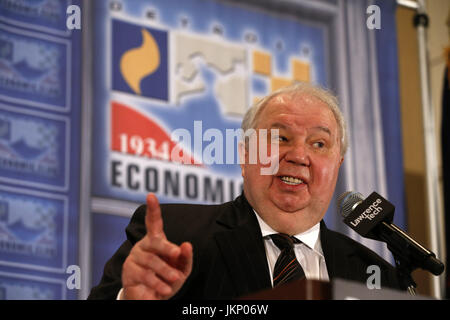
<point>229,254</point>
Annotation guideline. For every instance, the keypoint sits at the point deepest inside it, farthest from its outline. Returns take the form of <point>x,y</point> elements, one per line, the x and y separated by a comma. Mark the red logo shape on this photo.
<point>134,133</point>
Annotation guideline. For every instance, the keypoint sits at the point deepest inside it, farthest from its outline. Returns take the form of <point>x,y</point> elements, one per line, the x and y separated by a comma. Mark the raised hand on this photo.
<point>156,268</point>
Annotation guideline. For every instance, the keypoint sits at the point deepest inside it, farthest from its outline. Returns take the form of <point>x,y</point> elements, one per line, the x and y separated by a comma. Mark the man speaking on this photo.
<point>271,234</point>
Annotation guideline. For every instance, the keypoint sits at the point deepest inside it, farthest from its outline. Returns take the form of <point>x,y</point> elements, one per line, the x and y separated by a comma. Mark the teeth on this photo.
<point>291,180</point>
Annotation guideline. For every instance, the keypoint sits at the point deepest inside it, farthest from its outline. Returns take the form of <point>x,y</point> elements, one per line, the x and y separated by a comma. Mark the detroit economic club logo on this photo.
<point>161,75</point>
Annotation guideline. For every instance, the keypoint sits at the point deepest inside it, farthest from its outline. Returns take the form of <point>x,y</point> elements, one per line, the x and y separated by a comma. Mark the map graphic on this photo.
<point>228,60</point>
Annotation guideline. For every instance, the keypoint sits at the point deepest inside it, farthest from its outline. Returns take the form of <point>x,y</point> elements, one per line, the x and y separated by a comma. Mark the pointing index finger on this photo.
<point>153,219</point>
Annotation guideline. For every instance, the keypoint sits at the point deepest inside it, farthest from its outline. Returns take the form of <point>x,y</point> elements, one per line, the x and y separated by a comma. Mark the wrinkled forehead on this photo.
<point>290,105</point>
<point>296,97</point>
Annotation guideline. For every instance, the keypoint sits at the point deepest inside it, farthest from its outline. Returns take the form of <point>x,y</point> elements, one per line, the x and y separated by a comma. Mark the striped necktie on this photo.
<point>287,268</point>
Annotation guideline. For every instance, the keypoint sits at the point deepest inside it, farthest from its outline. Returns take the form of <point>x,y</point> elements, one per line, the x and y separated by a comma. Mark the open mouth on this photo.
<point>291,180</point>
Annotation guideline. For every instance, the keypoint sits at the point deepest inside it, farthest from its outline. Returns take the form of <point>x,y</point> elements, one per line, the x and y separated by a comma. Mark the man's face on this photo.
<point>296,197</point>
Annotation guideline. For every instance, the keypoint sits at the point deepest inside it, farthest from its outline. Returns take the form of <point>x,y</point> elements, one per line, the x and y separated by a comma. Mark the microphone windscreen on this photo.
<point>348,201</point>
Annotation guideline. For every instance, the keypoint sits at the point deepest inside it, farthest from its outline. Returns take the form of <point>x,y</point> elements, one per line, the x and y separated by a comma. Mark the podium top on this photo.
<point>337,289</point>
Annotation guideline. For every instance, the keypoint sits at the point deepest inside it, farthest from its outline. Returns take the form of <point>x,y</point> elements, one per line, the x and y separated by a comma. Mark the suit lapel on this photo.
<point>336,255</point>
<point>242,247</point>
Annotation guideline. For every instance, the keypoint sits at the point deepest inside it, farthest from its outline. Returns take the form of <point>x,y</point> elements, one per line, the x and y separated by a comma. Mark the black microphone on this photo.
<point>372,218</point>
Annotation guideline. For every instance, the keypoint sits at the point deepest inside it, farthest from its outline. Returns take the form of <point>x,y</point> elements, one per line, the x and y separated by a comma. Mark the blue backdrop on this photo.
<point>159,66</point>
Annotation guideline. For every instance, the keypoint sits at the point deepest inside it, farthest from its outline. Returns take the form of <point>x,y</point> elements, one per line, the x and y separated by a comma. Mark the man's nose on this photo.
<point>297,153</point>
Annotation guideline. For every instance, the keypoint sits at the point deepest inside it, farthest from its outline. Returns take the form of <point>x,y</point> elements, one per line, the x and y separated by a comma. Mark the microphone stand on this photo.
<point>404,275</point>
<point>408,254</point>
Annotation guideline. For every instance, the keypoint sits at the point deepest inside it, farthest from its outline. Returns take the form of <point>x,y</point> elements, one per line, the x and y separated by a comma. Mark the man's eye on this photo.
<point>277,138</point>
<point>319,144</point>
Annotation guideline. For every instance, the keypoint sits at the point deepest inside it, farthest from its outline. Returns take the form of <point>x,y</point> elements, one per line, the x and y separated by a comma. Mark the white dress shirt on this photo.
<point>309,253</point>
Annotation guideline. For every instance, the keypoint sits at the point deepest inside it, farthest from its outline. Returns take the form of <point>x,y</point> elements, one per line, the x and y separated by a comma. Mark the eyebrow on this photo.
<point>321,128</point>
<point>278,125</point>
<point>283,126</point>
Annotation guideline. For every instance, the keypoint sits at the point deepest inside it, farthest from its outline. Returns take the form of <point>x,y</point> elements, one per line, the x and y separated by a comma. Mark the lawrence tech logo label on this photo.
<point>369,213</point>
<point>140,60</point>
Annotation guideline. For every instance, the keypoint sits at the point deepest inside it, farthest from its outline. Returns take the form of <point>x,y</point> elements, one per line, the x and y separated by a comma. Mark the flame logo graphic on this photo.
<point>138,63</point>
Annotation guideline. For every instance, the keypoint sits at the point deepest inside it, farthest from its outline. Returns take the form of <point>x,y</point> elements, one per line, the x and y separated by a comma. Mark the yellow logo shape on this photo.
<point>140,62</point>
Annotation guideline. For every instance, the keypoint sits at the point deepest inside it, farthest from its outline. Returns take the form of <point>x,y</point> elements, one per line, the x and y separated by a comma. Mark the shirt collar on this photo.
<point>310,237</point>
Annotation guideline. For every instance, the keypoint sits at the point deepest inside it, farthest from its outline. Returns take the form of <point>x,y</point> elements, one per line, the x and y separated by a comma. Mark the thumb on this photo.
<point>153,218</point>
<point>185,258</point>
